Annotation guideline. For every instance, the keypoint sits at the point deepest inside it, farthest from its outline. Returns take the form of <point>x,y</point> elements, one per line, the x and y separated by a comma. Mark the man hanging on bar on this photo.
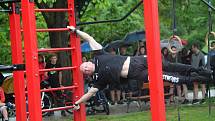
<point>108,69</point>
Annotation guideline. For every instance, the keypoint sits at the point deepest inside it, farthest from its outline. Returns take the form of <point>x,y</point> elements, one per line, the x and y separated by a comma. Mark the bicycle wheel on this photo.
<point>11,112</point>
<point>46,103</point>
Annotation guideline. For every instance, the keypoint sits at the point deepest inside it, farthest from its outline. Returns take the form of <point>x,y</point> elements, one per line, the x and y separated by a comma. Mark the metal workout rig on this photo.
<point>31,56</point>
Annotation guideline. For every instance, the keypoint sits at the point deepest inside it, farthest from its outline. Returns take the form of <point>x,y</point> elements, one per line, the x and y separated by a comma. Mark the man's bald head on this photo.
<point>87,68</point>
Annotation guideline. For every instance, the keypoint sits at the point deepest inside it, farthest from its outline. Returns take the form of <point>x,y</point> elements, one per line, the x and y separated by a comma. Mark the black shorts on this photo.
<point>114,86</point>
<point>138,69</point>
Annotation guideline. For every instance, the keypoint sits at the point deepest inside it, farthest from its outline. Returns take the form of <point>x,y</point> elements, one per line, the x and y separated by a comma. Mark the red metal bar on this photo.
<point>53,10</point>
<point>52,30</point>
<point>59,88</point>
<point>17,58</point>
<point>57,69</point>
<point>56,109</point>
<point>55,49</point>
<point>154,60</point>
<point>31,57</point>
<point>79,115</point>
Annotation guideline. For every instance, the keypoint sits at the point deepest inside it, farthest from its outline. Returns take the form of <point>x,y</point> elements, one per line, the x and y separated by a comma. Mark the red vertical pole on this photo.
<point>154,60</point>
<point>31,56</point>
<point>17,58</point>
<point>79,115</point>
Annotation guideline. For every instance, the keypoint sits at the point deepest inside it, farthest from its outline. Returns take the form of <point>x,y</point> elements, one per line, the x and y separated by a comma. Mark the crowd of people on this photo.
<point>192,56</point>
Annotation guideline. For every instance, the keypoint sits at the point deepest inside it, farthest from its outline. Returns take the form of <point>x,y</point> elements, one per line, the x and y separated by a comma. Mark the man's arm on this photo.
<point>93,44</point>
<point>88,95</point>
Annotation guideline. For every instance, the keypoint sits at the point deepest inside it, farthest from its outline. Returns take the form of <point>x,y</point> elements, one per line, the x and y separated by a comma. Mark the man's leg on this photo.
<point>203,92</point>
<point>118,96</point>
<point>178,86</point>
<point>185,92</point>
<point>171,91</point>
<point>112,94</point>
<point>195,92</point>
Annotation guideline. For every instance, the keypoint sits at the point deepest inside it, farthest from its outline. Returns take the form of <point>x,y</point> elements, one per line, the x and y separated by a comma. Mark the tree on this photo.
<point>5,52</point>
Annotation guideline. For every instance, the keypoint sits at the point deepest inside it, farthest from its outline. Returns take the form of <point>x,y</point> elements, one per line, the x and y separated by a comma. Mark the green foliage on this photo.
<point>42,37</point>
<point>46,1</point>
<point>112,9</point>
<point>5,51</point>
<point>191,19</point>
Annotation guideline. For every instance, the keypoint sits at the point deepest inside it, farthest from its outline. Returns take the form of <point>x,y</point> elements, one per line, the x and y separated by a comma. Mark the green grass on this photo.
<point>188,113</point>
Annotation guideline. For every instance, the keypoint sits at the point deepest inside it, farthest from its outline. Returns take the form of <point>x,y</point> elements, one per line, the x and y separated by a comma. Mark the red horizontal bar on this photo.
<point>57,69</point>
<point>59,108</point>
<point>59,88</point>
<point>55,49</point>
<point>56,109</point>
<point>52,30</point>
<point>53,10</point>
<point>55,89</point>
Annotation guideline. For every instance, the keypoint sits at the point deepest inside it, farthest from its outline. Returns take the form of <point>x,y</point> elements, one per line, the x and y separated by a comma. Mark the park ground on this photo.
<point>187,113</point>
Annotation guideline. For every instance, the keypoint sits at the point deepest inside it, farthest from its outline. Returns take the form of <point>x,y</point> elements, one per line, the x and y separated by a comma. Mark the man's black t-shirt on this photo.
<point>53,75</point>
<point>107,69</point>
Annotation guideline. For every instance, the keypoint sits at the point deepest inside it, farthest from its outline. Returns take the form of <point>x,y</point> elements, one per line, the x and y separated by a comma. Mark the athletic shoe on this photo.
<point>120,102</point>
<point>112,103</point>
<point>195,101</point>
<point>186,101</point>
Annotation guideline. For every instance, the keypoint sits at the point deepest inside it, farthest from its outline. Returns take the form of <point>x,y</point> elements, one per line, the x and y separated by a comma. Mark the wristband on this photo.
<point>75,31</point>
<point>76,104</point>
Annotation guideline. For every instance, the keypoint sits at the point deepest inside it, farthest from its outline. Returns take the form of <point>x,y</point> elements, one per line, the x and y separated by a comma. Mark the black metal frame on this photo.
<point>9,1</point>
<point>208,4</point>
<point>112,20</point>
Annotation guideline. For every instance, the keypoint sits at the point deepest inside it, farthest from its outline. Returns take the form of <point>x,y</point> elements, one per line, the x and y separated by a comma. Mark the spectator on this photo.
<point>124,86</point>
<point>212,58</point>
<point>3,107</point>
<point>1,78</point>
<point>55,80</point>
<point>174,58</point>
<point>84,59</point>
<point>212,45</point>
<point>185,59</point>
<point>165,53</point>
<point>197,61</point>
<point>115,90</point>
<point>42,65</point>
<point>142,51</point>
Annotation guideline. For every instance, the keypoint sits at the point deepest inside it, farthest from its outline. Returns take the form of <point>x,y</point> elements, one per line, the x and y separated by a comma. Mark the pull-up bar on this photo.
<point>9,1</point>
<point>112,20</point>
<point>209,5</point>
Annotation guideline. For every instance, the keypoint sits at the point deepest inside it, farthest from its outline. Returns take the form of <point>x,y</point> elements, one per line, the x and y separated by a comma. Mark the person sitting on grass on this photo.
<point>108,69</point>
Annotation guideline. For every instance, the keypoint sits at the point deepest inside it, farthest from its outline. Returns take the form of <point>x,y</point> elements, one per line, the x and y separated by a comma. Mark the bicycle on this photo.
<point>98,103</point>
<point>47,102</point>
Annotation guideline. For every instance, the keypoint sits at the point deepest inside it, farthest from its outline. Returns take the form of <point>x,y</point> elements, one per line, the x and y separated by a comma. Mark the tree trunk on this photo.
<point>59,39</point>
